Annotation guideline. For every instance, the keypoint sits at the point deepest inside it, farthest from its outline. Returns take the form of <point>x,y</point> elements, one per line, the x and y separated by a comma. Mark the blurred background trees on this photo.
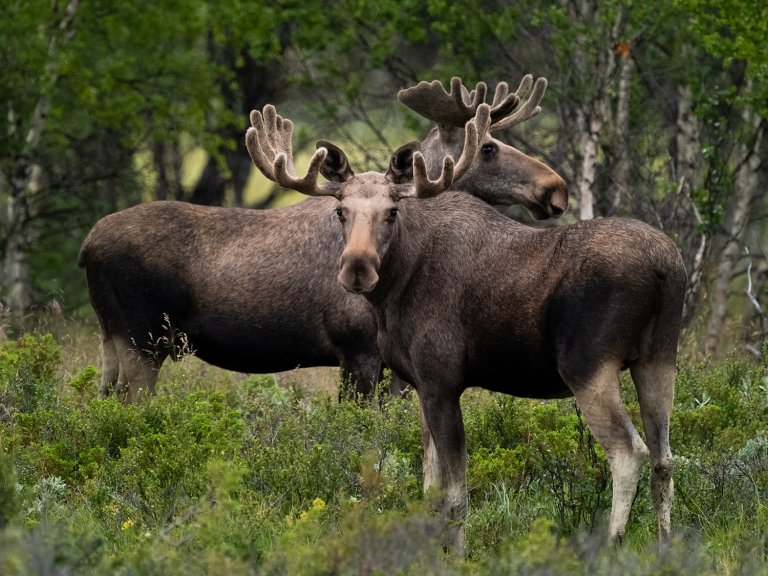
<point>655,110</point>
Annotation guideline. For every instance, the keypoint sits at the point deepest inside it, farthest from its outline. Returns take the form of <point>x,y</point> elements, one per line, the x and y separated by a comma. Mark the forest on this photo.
<point>654,110</point>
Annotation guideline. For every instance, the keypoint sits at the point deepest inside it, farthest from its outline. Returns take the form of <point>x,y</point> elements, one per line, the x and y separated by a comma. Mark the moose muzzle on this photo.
<point>359,271</point>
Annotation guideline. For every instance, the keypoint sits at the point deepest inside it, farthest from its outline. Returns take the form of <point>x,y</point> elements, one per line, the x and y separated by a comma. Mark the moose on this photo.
<point>252,289</point>
<point>465,297</point>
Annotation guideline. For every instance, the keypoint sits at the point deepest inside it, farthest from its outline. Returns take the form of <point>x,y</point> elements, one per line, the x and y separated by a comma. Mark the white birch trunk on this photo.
<point>26,177</point>
<point>621,169</point>
<point>590,134</point>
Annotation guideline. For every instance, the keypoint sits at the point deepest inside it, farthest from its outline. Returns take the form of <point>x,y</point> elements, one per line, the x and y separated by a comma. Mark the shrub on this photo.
<point>520,448</point>
<point>222,474</point>
<point>28,368</point>
<point>302,448</point>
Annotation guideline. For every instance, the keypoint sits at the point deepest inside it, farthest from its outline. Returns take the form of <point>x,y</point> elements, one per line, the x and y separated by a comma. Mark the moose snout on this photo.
<point>555,196</point>
<point>359,273</point>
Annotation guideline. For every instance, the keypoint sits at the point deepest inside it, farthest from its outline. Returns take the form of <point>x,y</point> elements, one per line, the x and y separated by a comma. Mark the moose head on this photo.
<point>501,174</point>
<point>368,202</point>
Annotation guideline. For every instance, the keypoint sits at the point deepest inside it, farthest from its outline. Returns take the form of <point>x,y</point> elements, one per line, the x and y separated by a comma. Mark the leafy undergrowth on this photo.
<point>224,474</point>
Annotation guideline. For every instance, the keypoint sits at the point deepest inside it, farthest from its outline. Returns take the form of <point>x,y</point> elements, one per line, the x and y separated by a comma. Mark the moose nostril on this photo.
<point>555,197</point>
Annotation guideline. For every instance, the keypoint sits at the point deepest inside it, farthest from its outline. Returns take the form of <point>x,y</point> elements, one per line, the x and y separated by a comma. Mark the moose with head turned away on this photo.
<point>465,297</point>
<point>252,290</point>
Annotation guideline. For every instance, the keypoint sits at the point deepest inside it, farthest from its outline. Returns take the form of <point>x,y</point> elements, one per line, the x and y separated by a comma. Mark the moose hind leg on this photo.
<point>431,459</point>
<point>600,403</point>
<point>138,371</point>
<point>655,384</point>
<point>110,367</point>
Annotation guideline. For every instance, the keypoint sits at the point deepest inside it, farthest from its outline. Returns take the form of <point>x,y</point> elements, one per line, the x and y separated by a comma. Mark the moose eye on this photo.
<point>392,215</point>
<point>487,148</point>
<point>340,214</point>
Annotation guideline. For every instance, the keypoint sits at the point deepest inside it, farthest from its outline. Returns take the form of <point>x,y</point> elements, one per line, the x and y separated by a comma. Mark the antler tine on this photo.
<point>502,89</point>
<point>469,100</point>
<point>431,101</point>
<point>529,106</point>
<point>423,186</point>
<point>474,132</point>
<point>503,103</point>
<point>269,144</point>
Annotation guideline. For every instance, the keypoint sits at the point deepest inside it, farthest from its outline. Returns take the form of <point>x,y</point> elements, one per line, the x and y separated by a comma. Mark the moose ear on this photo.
<point>401,164</point>
<point>335,167</point>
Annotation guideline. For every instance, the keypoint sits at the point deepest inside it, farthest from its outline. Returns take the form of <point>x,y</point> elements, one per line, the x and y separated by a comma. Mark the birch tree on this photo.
<point>25,128</point>
<point>733,33</point>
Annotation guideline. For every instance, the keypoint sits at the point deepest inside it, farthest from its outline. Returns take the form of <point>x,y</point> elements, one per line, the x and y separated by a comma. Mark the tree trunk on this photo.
<point>161,175</point>
<point>621,166</point>
<point>210,188</point>
<point>598,64</point>
<point>15,265</point>
<point>590,133</point>
<point>27,174</point>
<point>747,178</point>
<point>257,84</point>
<point>686,220</point>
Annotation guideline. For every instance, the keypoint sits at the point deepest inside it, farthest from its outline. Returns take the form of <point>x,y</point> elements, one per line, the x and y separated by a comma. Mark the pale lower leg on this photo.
<point>431,462</point>
<point>138,374</point>
<point>600,403</point>
<point>110,367</point>
<point>655,385</point>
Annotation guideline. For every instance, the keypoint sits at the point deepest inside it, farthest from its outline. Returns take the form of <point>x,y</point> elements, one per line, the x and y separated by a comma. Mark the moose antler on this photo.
<point>474,131</point>
<point>529,102</point>
<point>480,125</point>
<point>431,101</point>
<point>269,144</point>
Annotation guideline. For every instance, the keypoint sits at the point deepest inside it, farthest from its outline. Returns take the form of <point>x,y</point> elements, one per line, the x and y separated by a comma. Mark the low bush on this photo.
<point>224,474</point>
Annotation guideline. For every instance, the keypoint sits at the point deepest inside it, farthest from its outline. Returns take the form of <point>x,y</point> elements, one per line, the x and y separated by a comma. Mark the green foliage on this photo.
<point>84,381</point>
<point>28,369</point>
<point>225,475</point>
<point>541,448</point>
<point>734,31</point>
<point>9,497</point>
<point>297,447</point>
<point>356,537</point>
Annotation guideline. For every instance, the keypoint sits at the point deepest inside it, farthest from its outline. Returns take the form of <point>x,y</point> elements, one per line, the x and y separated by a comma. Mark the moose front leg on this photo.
<point>445,460</point>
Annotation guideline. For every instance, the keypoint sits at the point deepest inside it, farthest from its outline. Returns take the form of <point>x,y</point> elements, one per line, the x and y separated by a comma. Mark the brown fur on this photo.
<point>465,297</point>
<point>251,289</point>
<point>227,278</point>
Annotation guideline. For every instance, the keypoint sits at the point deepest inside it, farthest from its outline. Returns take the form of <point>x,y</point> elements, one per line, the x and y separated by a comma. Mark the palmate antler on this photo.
<point>529,100</point>
<point>269,143</point>
<point>431,101</point>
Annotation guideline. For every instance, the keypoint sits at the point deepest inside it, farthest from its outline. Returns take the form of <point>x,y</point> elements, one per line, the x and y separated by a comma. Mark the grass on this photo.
<point>224,473</point>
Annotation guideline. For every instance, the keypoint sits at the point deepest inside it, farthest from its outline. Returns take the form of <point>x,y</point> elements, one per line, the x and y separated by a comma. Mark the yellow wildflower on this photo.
<point>127,524</point>
<point>318,504</point>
